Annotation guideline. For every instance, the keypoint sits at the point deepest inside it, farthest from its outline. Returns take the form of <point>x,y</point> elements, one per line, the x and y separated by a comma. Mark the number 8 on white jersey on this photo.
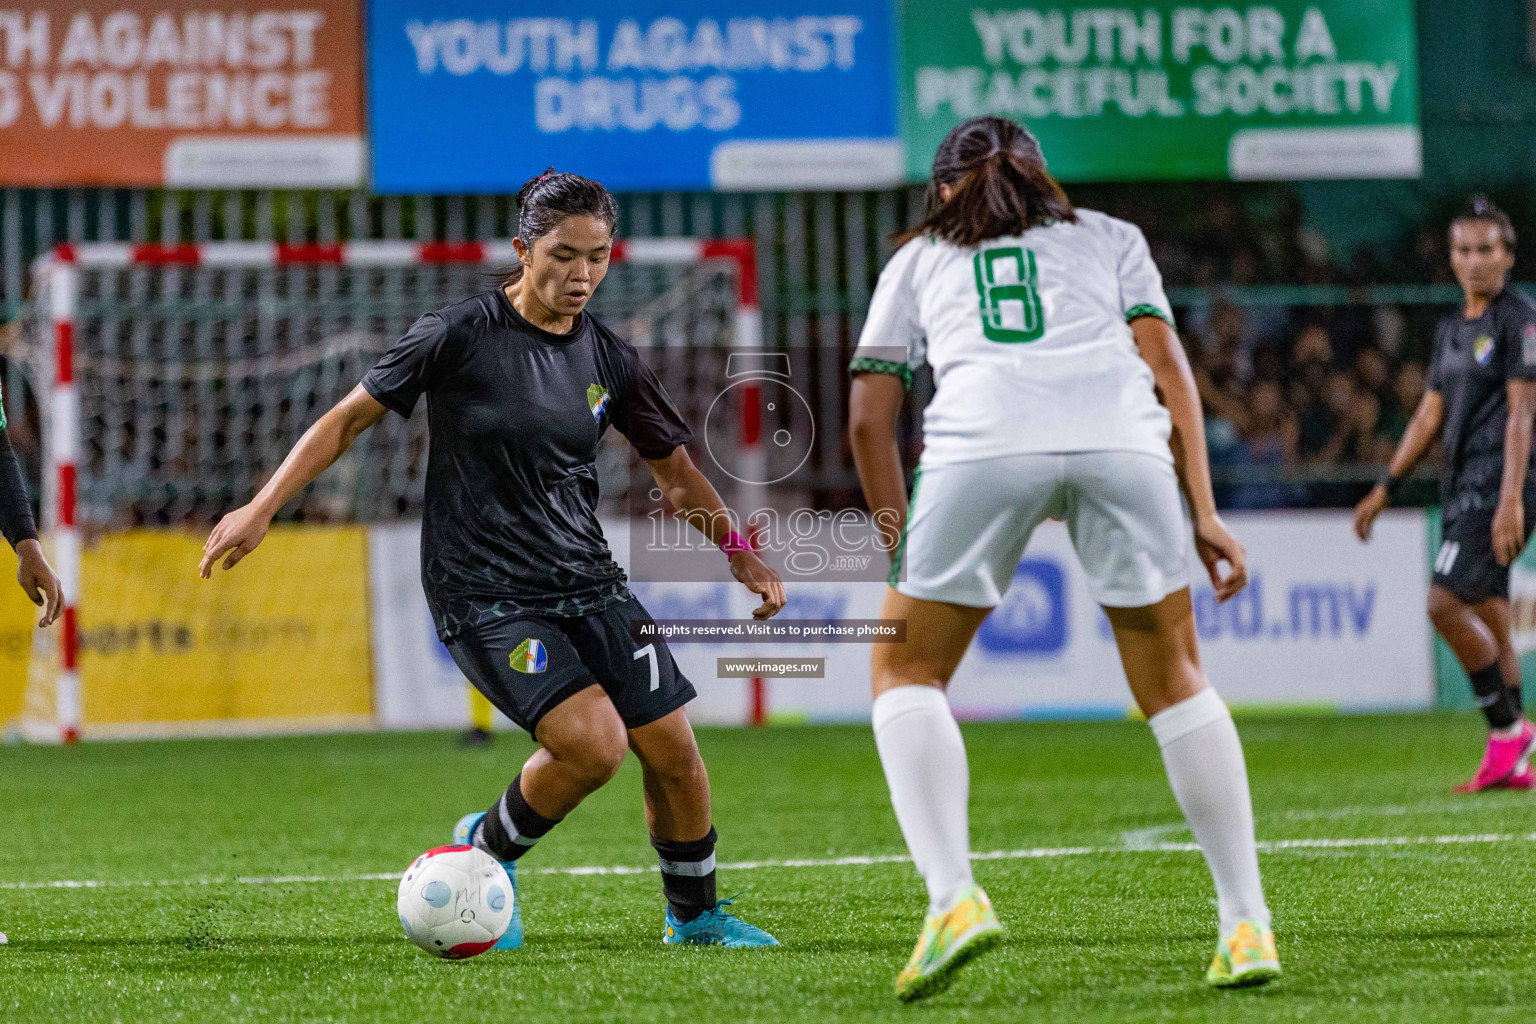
<point>1028,338</point>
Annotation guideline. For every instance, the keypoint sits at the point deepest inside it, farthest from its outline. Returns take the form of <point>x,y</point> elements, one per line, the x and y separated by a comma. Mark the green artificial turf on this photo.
<point>1420,931</point>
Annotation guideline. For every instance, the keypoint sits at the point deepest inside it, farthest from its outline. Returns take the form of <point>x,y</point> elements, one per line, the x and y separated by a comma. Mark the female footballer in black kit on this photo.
<point>1482,392</point>
<point>33,572</point>
<point>520,385</point>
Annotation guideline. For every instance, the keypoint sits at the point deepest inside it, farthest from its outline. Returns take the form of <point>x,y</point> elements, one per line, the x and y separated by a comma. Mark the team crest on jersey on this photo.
<point>530,656</point>
<point>1528,345</point>
<point>1482,349</point>
<point>597,400</point>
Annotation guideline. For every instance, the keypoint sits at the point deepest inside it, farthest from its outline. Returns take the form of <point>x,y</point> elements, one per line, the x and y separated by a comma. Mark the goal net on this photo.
<point>173,380</point>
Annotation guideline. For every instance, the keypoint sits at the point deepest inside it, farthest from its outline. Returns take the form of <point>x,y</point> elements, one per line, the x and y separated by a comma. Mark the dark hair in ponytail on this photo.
<point>1001,186</point>
<point>544,201</point>
<point>1480,207</point>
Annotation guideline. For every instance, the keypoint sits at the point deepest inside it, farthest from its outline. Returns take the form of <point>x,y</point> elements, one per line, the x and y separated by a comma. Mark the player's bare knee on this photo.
<point>590,748</point>
<point>911,675</point>
<point>679,766</point>
<point>1443,605</point>
<point>604,755</point>
<point>889,669</point>
<point>1175,689</point>
<point>595,765</point>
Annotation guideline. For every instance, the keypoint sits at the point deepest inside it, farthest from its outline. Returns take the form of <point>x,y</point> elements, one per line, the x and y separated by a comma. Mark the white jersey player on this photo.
<point>1063,392</point>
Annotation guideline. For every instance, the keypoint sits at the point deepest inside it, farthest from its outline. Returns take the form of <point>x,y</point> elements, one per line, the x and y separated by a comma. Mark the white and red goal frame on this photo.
<point>63,429</point>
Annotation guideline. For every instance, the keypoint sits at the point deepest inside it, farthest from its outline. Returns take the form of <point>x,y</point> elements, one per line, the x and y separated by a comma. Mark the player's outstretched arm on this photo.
<point>691,493</point>
<point>873,404</point>
<point>1420,434</point>
<point>1161,349</point>
<point>322,444</point>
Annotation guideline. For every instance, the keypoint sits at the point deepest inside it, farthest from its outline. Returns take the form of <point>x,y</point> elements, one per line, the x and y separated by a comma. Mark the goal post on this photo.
<point>225,344</point>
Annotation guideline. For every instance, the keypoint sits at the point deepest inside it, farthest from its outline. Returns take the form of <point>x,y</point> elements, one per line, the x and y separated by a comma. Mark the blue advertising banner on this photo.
<point>477,96</point>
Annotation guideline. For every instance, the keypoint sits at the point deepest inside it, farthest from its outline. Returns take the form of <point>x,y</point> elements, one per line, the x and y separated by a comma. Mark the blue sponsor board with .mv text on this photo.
<point>479,95</point>
<point>1031,619</point>
<point>1303,611</point>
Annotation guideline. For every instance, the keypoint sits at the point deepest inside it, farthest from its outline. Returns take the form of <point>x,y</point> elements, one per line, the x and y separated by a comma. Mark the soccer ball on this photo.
<point>455,901</point>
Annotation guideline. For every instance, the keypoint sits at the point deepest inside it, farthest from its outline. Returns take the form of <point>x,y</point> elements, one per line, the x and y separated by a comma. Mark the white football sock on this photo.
<point>924,761</point>
<point>1210,781</point>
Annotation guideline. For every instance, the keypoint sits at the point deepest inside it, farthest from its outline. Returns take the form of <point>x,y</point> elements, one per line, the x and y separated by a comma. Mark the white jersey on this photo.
<point>1029,340</point>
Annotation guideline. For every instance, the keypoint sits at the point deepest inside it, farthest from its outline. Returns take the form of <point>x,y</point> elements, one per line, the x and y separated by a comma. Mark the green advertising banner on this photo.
<point>1163,90</point>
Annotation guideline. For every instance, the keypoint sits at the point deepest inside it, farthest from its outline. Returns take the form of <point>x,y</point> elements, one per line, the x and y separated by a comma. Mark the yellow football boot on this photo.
<point>950,939</point>
<point>1246,957</point>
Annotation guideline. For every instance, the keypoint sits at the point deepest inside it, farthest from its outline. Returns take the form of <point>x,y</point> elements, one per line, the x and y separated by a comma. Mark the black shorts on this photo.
<point>1465,564</point>
<point>526,664</point>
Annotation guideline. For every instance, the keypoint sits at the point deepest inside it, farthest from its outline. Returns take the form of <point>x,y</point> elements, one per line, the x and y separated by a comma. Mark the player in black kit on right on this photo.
<point>1482,391</point>
<point>521,383</point>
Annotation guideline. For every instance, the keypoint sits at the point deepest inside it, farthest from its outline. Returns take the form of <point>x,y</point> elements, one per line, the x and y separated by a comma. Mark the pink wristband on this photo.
<point>733,543</point>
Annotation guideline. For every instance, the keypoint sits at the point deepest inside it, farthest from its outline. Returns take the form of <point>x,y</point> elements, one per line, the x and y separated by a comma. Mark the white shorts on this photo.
<point>969,523</point>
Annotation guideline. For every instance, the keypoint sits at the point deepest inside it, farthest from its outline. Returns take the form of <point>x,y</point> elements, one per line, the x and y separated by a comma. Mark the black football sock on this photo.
<point>688,875</point>
<point>1519,699</point>
<point>1499,702</point>
<point>510,828</point>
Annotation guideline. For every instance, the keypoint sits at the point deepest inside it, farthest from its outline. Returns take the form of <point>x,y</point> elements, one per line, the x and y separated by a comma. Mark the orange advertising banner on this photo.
<point>251,93</point>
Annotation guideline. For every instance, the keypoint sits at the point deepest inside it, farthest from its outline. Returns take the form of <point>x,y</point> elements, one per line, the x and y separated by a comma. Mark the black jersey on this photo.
<point>515,414</point>
<point>1473,362</point>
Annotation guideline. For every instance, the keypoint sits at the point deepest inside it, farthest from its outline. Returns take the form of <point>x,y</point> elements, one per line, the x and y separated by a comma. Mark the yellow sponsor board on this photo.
<point>281,639</point>
<point>18,616</point>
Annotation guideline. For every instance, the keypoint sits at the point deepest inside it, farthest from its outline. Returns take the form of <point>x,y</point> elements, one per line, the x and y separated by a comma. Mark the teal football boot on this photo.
<point>716,927</point>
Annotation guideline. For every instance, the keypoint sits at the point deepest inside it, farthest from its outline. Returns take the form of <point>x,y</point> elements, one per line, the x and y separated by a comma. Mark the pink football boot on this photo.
<point>1523,778</point>
<point>1502,760</point>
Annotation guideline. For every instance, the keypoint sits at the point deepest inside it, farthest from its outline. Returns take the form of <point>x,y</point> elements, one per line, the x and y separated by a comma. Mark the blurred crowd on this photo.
<point>1217,234</point>
<point>1301,394</point>
<point>1304,404</point>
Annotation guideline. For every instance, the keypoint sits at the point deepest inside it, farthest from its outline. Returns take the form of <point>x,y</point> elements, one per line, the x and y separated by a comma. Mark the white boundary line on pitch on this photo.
<point>1035,853</point>
<point>1428,807</point>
